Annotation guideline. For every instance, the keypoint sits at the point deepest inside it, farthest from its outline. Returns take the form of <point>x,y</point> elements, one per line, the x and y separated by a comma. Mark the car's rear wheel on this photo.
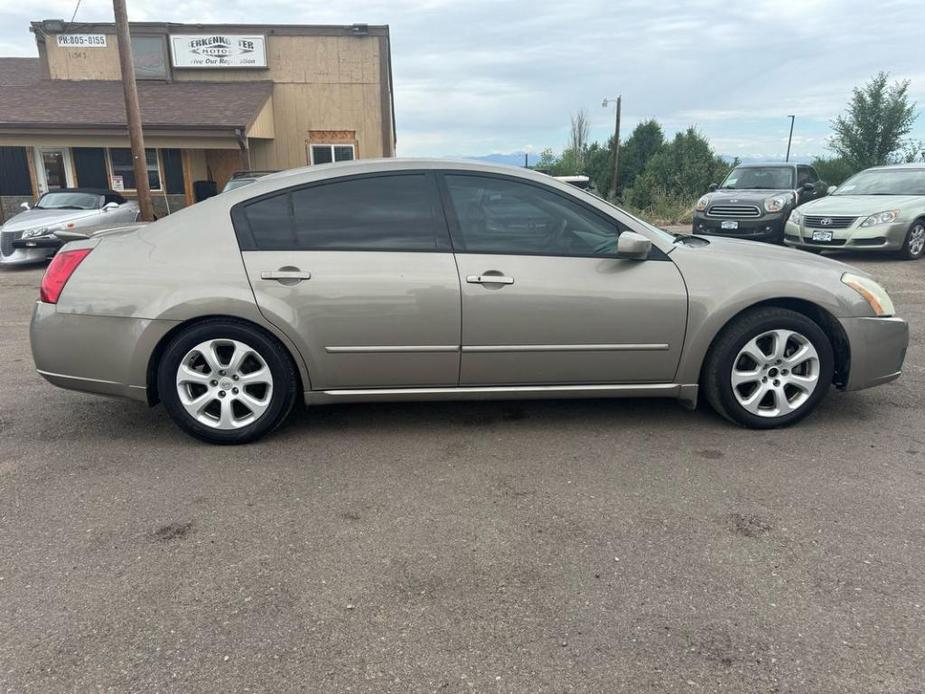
<point>769,368</point>
<point>914,245</point>
<point>226,382</point>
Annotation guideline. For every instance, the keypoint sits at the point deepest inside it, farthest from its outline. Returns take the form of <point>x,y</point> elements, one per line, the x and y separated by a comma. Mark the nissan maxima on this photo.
<point>423,280</point>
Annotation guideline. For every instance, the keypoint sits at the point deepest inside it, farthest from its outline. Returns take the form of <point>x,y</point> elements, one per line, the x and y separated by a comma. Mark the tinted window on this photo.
<point>499,215</point>
<point>271,223</point>
<point>806,174</point>
<point>389,213</point>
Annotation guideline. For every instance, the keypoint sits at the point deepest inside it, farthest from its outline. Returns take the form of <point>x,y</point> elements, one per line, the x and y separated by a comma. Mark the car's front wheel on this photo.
<point>914,245</point>
<point>225,381</point>
<point>769,368</point>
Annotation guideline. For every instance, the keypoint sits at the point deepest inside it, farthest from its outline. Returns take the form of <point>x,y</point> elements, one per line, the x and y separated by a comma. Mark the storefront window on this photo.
<point>123,172</point>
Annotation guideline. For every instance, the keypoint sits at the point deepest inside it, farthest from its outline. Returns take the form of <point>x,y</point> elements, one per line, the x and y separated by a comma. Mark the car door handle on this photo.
<point>489,279</point>
<point>297,275</point>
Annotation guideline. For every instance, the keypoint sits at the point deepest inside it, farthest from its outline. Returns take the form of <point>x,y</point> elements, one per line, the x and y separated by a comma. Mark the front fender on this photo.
<point>721,288</point>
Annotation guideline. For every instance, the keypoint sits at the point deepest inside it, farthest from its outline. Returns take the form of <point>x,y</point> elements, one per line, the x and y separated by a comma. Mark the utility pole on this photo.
<point>133,112</point>
<point>616,146</point>
<point>526,160</point>
<point>790,139</point>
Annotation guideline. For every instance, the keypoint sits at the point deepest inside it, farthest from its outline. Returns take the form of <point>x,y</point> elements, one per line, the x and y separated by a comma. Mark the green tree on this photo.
<point>684,168</point>
<point>834,170</point>
<point>878,117</point>
<point>599,165</point>
<point>646,140</point>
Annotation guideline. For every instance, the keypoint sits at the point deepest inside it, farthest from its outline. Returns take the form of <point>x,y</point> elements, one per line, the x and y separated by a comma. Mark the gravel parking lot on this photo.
<point>576,546</point>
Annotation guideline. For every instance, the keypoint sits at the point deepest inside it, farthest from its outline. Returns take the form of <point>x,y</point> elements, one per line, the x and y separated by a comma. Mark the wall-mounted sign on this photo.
<point>117,182</point>
<point>82,40</point>
<point>218,50</point>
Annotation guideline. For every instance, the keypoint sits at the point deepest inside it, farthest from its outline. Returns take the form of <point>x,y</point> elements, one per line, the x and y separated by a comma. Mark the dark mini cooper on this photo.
<point>755,200</point>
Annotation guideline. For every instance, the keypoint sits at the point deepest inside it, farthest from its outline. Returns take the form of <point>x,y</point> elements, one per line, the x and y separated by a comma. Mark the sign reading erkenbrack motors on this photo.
<point>218,50</point>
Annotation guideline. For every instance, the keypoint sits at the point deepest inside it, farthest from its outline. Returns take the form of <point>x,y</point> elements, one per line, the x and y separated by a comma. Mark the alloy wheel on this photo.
<point>224,384</point>
<point>775,373</point>
<point>917,239</point>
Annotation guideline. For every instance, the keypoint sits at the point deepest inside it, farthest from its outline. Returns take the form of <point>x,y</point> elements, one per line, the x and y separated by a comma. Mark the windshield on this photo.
<point>885,182</point>
<point>69,201</point>
<point>759,177</point>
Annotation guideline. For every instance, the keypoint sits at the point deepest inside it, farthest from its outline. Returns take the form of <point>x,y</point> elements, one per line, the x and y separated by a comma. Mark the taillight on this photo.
<point>59,272</point>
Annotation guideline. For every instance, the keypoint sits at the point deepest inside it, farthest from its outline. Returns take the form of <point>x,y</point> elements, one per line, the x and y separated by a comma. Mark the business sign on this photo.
<point>218,50</point>
<point>82,40</point>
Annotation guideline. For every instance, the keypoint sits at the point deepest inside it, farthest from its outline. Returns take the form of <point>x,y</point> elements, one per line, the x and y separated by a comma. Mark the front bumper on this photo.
<point>882,237</point>
<point>769,227</point>
<point>878,349</point>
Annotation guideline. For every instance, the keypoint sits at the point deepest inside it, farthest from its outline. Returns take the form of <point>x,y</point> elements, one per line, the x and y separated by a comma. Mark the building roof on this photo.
<point>100,104</point>
<point>18,72</point>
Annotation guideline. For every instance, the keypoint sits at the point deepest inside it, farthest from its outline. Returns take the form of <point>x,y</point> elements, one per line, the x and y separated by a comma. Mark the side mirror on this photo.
<point>25,205</point>
<point>633,246</point>
<point>809,187</point>
<point>712,187</point>
<point>831,189</point>
<point>110,206</point>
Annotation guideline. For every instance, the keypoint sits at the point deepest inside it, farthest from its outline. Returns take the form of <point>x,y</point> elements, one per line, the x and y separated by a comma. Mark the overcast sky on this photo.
<point>481,76</point>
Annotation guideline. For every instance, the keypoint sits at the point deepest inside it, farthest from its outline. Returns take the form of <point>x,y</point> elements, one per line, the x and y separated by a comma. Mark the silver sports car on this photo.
<point>422,280</point>
<point>29,237</point>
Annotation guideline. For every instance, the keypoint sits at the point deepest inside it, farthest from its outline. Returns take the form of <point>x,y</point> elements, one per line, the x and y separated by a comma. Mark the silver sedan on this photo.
<point>32,235</point>
<point>423,280</point>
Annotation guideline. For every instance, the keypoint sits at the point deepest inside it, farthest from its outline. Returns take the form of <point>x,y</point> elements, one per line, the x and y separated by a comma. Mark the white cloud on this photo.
<point>473,76</point>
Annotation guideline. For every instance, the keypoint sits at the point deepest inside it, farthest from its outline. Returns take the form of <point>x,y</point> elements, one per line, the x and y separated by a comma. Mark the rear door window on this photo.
<point>397,212</point>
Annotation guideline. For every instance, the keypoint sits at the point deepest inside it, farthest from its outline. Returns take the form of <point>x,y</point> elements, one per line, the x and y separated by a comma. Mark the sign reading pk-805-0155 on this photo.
<point>82,40</point>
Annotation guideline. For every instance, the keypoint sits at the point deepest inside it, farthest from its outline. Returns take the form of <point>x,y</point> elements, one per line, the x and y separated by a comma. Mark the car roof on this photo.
<point>781,164</point>
<point>913,165</point>
<point>362,166</point>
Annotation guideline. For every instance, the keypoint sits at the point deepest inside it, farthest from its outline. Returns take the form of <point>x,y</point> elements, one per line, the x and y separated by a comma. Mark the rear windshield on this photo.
<point>760,178</point>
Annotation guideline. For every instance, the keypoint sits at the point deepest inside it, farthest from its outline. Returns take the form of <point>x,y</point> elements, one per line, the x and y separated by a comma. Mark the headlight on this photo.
<point>873,293</point>
<point>796,217</point>
<point>881,218</point>
<point>776,204</point>
<point>702,203</point>
<point>32,233</point>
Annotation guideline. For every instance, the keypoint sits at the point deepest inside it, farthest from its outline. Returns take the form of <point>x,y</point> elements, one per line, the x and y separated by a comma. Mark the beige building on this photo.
<point>215,99</point>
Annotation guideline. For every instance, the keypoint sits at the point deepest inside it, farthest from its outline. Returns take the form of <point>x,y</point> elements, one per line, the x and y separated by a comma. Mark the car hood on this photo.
<point>39,218</point>
<point>778,255</point>
<point>857,205</point>
<point>746,196</point>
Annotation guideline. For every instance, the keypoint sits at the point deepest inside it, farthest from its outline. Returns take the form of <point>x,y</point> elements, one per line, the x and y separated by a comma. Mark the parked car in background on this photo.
<point>583,182</point>
<point>424,280</point>
<point>879,209</point>
<point>755,200</point>
<point>29,237</point>
<point>239,179</point>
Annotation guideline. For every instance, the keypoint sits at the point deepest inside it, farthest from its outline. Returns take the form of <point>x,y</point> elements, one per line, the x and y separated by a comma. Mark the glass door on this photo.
<point>53,167</point>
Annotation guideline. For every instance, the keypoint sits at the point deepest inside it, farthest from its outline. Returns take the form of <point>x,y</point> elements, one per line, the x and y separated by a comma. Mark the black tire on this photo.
<point>716,377</point>
<point>280,398</point>
<point>912,236</point>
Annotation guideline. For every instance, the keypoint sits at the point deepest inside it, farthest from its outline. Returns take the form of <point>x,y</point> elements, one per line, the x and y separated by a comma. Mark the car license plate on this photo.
<point>822,236</point>
<point>729,224</point>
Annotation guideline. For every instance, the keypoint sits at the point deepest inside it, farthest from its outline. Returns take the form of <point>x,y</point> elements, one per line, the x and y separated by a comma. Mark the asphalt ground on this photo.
<point>540,546</point>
